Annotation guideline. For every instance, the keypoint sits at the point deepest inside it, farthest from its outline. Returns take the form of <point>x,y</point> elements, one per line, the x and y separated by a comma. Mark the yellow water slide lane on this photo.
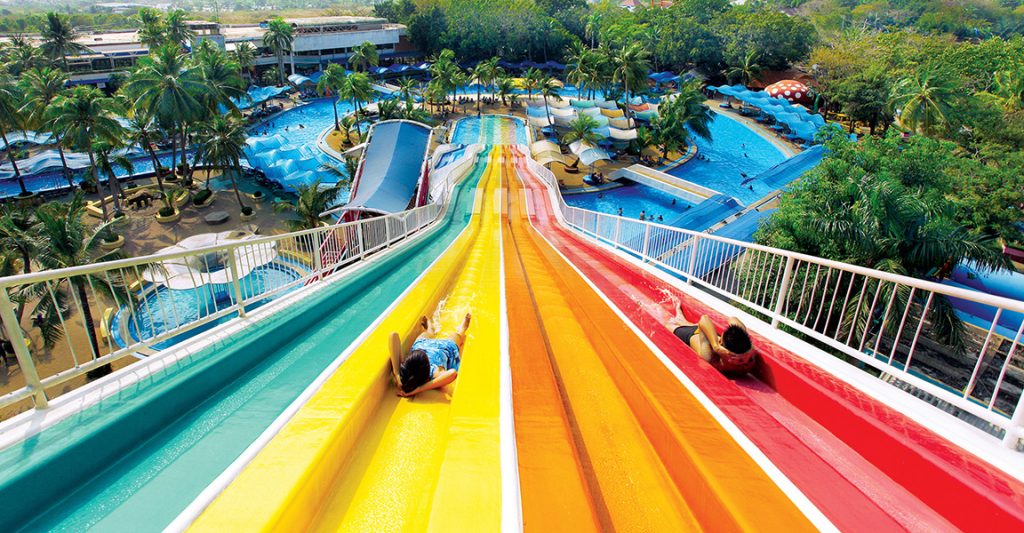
<point>358,458</point>
<point>626,445</point>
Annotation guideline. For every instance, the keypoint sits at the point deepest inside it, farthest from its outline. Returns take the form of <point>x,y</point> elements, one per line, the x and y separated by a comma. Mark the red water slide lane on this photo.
<point>864,465</point>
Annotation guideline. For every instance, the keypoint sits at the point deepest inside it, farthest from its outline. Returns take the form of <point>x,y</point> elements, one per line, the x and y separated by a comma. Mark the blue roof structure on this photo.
<point>785,172</point>
<point>801,123</point>
<point>391,167</point>
<point>708,213</point>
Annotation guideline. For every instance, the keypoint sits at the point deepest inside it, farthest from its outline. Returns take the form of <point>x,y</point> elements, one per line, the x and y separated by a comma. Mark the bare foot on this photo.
<point>465,322</point>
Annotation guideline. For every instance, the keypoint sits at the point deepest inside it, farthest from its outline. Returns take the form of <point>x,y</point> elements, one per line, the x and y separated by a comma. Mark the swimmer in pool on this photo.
<point>432,361</point>
<point>732,352</point>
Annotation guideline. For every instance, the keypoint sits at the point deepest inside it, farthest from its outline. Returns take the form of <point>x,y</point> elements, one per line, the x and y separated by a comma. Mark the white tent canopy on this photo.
<point>588,154</point>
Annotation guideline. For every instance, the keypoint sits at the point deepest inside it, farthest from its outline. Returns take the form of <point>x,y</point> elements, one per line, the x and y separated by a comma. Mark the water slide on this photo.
<point>863,465</point>
<point>608,438</point>
<point>356,457</point>
<point>141,456</point>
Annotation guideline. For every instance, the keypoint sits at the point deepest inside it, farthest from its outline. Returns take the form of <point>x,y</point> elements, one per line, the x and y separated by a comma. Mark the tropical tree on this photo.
<point>364,56</point>
<point>407,87</point>
<point>924,101</point>
<point>245,58</point>
<point>41,86</point>
<point>10,120</point>
<point>65,241</point>
<point>142,131</point>
<point>357,89</point>
<point>681,116</point>
<point>312,200</point>
<point>219,76</point>
<point>152,32</point>
<point>169,89</point>
<point>506,87</point>
<point>108,157</point>
<point>59,38</point>
<point>18,226</point>
<point>177,30</point>
<point>484,74</point>
<point>445,73</point>
<point>19,54</point>
<point>1007,91</point>
<point>644,139</point>
<point>87,117</point>
<point>279,38</point>
<point>331,81</point>
<point>577,71</point>
<point>583,128</point>
<point>549,89</point>
<point>532,80</point>
<point>221,142</point>
<point>630,66</point>
<point>746,69</point>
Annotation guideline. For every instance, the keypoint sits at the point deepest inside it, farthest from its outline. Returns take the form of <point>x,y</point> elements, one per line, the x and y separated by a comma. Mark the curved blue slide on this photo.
<point>136,460</point>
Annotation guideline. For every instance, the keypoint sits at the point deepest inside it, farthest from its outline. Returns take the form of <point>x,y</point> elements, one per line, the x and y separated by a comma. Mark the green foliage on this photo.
<point>312,200</point>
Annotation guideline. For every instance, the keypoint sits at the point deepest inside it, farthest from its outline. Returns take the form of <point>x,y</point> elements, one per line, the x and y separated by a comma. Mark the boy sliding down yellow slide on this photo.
<point>431,363</point>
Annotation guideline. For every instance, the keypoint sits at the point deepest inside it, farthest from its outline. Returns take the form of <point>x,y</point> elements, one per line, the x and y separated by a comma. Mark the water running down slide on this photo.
<point>356,457</point>
<point>862,464</point>
<point>608,439</point>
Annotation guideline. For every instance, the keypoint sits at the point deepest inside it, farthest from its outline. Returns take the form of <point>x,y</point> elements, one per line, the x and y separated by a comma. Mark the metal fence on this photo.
<point>78,320</point>
<point>894,326</point>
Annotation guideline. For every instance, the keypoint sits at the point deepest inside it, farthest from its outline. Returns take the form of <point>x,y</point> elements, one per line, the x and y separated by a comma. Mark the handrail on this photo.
<point>136,290</point>
<point>884,329</point>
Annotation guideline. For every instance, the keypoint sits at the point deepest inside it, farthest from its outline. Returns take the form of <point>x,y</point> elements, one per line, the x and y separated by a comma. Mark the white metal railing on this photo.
<point>875,319</point>
<point>132,308</point>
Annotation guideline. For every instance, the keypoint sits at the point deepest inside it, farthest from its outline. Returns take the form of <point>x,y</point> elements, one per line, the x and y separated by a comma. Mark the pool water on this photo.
<point>164,309</point>
<point>734,150</point>
<point>314,118</point>
<point>489,129</point>
<point>54,179</point>
<point>633,199</point>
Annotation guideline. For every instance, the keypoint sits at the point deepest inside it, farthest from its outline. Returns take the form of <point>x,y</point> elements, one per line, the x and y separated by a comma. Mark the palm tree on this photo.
<point>86,117</point>
<point>1007,91</point>
<point>219,75</point>
<point>581,129</point>
<point>279,38</point>
<point>176,27</point>
<point>10,120</point>
<point>356,88</point>
<point>745,70</point>
<point>679,117</point>
<point>331,81</point>
<point>312,200</point>
<point>485,73</point>
<point>506,87</point>
<point>19,54</point>
<point>924,101</point>
<point>59,38</point>
<point>630,66</point>
<point>445,74</point>
<point>407,87</point>
<point>108,157</point>
<point>532,81</point>
<point>41,86</point>
<point>644,139</point>
<point>221,142</point>
<point>141,131</point>
<point>364,55</point>
<point>549,89</point>
<point>151,28</point>
<point>245,58</point>
<point>65,242</point>
<point>165,87</point>
<point>579,59</point>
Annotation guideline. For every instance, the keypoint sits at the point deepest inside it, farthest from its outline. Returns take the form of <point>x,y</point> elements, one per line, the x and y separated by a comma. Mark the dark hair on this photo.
<point>736,340</point>
<point>414,371</point>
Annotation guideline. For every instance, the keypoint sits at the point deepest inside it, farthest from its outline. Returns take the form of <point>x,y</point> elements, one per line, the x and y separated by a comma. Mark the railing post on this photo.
<point>235,282</point>
<point>319,238</point>
<point>618,231</point>
<point>692,267</point>
<point>359,234</point>
<point>780,301</point>
<point>647,241</point>
<point>28,366</point>
<point>1013,429</point>
<point>387,231</point>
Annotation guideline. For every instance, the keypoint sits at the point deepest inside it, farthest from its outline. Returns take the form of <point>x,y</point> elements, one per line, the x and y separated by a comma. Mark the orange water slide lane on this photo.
<point>608,438</point>
<point>356,457</point>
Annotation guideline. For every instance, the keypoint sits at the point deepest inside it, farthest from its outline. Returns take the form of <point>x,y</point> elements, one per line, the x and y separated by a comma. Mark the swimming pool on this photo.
<point>489,129</point>
<point>54,179</point>
<point>314,118</point>
<point>632,198</point>
<point>734,150</point>
<point>164,309</point>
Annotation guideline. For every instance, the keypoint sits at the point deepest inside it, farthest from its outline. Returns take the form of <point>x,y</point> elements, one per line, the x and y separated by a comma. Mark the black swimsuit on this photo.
<point>685,333</point>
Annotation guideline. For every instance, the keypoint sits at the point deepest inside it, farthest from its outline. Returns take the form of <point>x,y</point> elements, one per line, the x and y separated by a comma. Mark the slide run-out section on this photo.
<point>141,456</point>
<point>607,437</point>
<point>356,457</point>
<point>862,464</point>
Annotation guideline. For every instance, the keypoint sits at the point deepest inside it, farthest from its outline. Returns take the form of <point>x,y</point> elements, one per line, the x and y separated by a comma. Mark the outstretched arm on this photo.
<point>395,347</point>
<point>440,380</point>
